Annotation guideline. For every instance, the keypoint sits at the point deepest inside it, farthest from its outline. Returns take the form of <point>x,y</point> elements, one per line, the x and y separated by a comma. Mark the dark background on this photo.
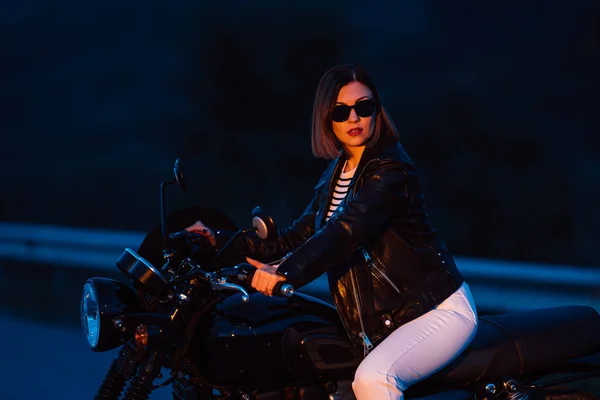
<point>497,104</point>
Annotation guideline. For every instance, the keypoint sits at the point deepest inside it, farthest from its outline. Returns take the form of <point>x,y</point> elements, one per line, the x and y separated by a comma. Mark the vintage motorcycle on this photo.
<point>182,311</point>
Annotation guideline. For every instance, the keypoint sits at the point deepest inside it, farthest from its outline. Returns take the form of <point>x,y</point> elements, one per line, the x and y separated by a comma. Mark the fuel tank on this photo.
<point>260,343</point>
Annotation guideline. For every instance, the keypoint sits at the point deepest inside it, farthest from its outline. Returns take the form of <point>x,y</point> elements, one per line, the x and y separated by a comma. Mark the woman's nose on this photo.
<point>353,117</point>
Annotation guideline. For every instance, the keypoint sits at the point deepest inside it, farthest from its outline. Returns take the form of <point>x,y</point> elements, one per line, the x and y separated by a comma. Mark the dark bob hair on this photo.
<point>324,143</point>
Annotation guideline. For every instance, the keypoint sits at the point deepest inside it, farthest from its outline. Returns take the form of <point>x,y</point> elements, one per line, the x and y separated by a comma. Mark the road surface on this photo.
<point>41,361</point>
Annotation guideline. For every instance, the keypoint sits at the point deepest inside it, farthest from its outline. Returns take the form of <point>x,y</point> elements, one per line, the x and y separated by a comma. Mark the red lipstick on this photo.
<point>355,131</point>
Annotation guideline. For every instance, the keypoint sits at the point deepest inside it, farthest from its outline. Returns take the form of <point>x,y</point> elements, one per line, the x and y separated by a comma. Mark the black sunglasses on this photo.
<point>364,108</point>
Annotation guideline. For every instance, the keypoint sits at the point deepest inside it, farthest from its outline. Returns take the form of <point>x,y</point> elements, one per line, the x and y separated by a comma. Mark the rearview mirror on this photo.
<point>179,178</point>
<point>263,224</point>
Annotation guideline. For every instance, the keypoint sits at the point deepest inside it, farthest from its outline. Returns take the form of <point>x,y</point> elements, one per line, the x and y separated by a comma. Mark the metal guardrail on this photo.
<point>73,247</point>
<point>496,285</point>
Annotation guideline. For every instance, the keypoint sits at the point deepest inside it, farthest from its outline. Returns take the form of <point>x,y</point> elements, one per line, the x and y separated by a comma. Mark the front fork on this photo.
<point>120,371</point>
<point>141,385</point>
<point>133,366</point>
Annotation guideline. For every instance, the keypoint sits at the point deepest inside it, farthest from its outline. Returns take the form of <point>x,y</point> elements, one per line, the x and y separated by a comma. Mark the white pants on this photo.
<point>418,349</point>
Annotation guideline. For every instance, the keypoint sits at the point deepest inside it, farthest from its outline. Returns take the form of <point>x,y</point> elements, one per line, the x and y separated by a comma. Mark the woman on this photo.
<point>393,281</point>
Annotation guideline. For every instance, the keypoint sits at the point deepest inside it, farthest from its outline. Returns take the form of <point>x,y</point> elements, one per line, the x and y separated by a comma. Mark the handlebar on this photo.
<point>281,289</point>
<point>185,234</point>
<point>240,278</point>
<point>191,243</point>
<point>178,235</point>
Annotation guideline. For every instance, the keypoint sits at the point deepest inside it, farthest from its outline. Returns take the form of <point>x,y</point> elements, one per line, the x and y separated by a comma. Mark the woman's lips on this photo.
<point>355,131</point>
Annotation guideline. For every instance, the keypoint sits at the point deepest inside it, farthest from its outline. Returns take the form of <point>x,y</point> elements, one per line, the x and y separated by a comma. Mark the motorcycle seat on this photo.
<point>539,341</point>
<point>525,342</point>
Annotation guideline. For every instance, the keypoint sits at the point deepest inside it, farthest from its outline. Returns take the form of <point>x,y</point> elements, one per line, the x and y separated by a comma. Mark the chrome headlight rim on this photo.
<point>114,300</point>
<point>90,314</point>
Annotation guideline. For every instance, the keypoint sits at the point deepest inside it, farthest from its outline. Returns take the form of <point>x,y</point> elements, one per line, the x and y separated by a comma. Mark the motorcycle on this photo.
<point>190,310</point>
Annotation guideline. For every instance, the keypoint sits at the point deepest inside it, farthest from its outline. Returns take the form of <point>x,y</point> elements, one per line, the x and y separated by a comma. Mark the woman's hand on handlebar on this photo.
<point>265,278</point>
<point>201,229</point>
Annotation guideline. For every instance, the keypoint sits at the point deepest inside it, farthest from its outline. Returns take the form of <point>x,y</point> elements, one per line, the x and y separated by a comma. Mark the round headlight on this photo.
<point>90,314</point>
<point>105,306</point>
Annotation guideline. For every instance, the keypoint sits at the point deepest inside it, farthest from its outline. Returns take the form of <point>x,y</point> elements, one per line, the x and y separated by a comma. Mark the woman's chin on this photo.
<point>356,141</point>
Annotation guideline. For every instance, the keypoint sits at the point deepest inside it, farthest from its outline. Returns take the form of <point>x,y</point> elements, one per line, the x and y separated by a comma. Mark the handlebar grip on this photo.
<point>191,235</point>
<point>281,289</point>
<point>178,235</point>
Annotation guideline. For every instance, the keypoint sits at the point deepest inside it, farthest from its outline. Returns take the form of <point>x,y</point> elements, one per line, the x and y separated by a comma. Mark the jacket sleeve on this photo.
<point>385,193</point>
<point>287,241</point>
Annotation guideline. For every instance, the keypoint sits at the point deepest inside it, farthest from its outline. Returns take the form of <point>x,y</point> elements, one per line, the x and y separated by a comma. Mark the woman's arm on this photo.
<point>385,193</point>
<point>288,239</point>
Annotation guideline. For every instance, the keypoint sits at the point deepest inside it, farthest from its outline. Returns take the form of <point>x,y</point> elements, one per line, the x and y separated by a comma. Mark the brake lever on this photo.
<point>222,284</point>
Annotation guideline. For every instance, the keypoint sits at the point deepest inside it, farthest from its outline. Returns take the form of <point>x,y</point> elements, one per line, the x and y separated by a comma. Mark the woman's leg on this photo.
<point>417,349</point>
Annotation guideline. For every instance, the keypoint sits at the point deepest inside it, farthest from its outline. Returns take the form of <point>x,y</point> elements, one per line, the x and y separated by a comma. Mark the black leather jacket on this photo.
<point>384,261</point>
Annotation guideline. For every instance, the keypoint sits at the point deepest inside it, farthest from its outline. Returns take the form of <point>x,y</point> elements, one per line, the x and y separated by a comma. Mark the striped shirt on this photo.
<point>340,190</point>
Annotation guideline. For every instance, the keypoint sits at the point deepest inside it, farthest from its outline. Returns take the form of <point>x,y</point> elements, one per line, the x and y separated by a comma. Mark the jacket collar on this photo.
<point>335,168</point>
<point>370,154</point>
<point>386,148</point>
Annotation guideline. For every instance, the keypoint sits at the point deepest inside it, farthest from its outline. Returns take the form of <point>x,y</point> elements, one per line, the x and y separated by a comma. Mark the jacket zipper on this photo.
<point>373,265</point>
<point>365,339</point>
<point>367,345</point>
<point>363,335</point>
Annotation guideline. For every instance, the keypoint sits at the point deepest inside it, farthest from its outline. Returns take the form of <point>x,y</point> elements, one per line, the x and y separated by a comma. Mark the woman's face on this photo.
<point>355,130</point>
